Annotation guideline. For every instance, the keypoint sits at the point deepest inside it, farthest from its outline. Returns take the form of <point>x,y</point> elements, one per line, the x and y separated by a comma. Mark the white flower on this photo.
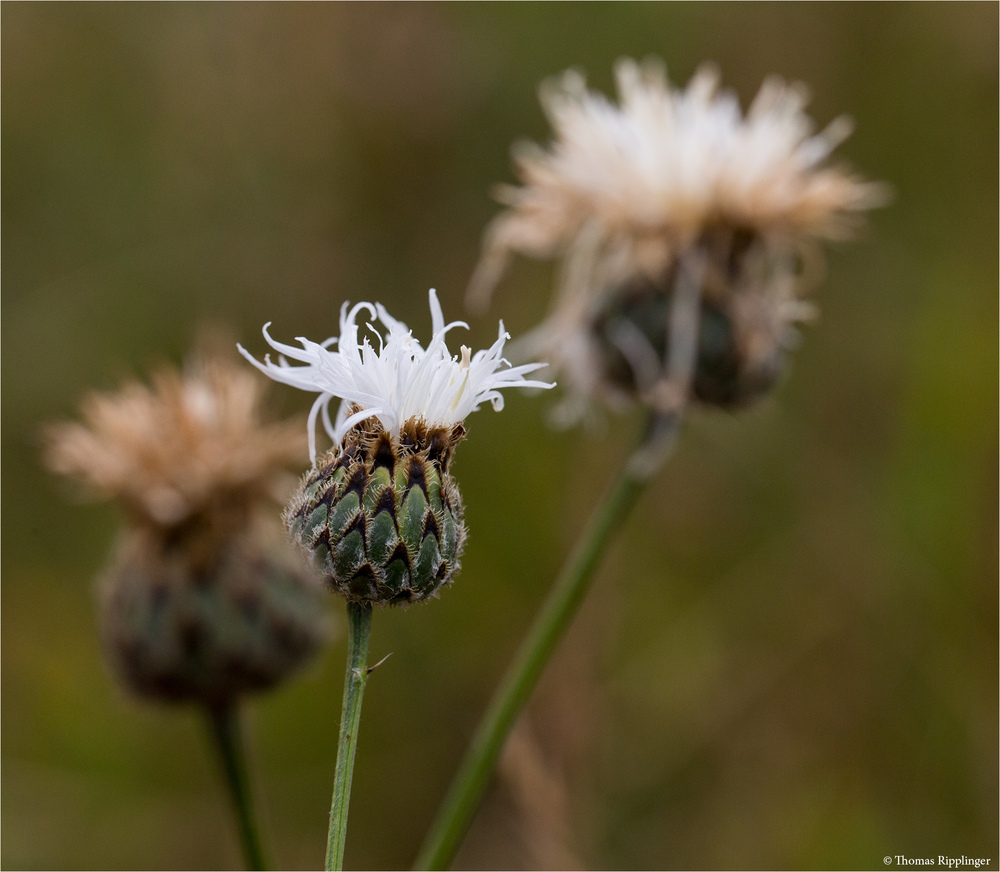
<point>398,382</point>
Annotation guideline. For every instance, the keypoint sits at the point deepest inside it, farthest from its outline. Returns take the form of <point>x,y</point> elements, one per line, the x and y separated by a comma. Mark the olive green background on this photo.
<point>789,658</point>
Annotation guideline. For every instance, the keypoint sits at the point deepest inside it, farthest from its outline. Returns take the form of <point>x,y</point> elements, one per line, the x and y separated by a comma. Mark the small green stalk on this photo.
<point>557,613</point>
<point>224,720</point>
<point>359,619</point>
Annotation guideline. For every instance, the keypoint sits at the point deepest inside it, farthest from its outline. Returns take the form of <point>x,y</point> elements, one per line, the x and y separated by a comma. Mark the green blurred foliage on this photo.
<point>790,657</point>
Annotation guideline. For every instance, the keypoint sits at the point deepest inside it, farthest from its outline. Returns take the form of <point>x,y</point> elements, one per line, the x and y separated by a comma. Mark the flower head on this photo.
<point>656,171</point>
<point>398,382</point>
<point>204,600</point>
<point>672,185</point>
<point>380,512</point>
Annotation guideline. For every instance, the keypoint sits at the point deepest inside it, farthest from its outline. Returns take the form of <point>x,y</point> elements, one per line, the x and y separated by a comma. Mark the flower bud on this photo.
<point>380,514</point>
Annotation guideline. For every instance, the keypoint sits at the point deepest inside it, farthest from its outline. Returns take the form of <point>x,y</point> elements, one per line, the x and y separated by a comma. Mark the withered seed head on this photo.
<point>204,599</point>
<point>672,184</point>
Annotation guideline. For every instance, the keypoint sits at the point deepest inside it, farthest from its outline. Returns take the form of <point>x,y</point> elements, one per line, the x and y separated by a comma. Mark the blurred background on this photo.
<point>789,659</point>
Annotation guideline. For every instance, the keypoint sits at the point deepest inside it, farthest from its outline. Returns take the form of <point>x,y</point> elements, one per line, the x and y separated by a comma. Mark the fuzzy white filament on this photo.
<point>399,381</point>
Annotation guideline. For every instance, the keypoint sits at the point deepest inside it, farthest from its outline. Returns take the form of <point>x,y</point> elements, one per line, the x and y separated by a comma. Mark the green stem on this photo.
<point>224,720</point>
<point>557,613</point>
<point>359,619</point>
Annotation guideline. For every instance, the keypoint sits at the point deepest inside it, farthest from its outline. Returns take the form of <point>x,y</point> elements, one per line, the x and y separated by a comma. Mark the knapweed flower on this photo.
<point>673,187</point>
<point>204,599</point>
<point>380,511</point>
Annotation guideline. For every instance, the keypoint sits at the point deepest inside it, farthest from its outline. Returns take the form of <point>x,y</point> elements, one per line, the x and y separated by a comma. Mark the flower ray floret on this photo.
<point>399,381</point>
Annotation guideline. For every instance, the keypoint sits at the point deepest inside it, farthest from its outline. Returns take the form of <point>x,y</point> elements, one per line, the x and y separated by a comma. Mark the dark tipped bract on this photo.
<point>381,515</point>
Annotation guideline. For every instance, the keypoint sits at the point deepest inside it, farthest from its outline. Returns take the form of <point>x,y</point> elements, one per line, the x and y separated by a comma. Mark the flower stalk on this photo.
<point>359,618</point>
<point>379,513</point>
<point>557,613</point>
<point>224,722</point>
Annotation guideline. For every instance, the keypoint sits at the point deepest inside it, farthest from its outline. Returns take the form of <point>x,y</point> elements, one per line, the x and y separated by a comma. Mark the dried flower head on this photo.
<point>194,442</point>
<point>380,512</point>
<point>204,600</point>
<point>665,182</point>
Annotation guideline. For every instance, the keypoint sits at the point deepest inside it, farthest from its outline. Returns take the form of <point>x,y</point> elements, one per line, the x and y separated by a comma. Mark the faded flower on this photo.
<point>675,214</point>
<point>203,600</point>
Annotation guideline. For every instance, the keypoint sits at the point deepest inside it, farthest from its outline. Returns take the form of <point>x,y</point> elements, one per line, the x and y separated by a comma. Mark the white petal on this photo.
<point>398,381</point>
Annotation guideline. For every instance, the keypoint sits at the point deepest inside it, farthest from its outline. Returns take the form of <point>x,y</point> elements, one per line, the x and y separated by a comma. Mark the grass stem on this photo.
<point>557,612</point>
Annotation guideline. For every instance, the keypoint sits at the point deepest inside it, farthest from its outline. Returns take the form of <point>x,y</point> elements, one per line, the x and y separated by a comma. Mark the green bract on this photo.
<point>381,515</point>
